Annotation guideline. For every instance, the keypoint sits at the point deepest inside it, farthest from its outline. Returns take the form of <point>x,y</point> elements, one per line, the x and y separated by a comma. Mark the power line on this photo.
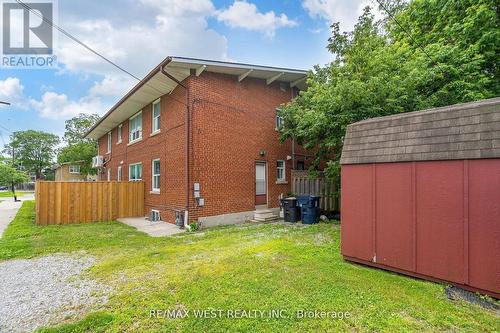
<point>76,40</point>
<point>391,15</point>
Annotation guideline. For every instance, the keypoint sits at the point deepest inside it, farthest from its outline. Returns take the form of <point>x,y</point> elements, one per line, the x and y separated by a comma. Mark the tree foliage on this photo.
<point>77,127</point>
<point>34,151</point>
<point>9,175</point>
<point>380,69</point>
<point>78,148</point>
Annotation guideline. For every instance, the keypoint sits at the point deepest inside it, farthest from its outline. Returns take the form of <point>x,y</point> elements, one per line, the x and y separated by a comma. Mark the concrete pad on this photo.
<point>153,229</point>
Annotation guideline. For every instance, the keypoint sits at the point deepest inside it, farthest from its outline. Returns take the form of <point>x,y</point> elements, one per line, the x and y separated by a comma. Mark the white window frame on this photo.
<point>153,118</point>
<point>130,173</point>
<point>131,130</point>
<point>153,175</point>
<point>278,168</point>
<point>110,137</point>
<point>72,169</point>
<point>279,121</point>
<point>119,174</point>
<point>119,134</point>
<point>109,175</point>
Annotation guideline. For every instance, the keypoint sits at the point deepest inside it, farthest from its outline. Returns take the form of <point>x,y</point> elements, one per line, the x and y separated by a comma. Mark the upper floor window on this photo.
<point>156,116</point>
<point>74,169</point>
<point>135,128</point>
<point>279,120</point>
<point>109,143</point>
<point>280,170</point>
<point>119,133</point>
<point>135,171</point>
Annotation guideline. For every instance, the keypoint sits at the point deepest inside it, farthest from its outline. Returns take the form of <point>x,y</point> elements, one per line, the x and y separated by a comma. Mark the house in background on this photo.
<point>203,136</point>
<point>70,172</point>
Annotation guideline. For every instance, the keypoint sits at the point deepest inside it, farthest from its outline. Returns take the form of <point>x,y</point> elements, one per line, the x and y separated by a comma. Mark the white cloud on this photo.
<point>344,11</point>
<point>242,14</point>
<point>112,85</point>
<point>58,106</point>
<point>164,27</point>
<point>11,91</point>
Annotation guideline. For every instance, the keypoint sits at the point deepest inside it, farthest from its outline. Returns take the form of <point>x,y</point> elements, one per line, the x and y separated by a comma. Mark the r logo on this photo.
<point>27,31</point>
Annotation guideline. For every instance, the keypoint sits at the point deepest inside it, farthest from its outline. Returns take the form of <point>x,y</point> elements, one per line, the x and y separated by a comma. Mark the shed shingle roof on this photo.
<point>461,131</point>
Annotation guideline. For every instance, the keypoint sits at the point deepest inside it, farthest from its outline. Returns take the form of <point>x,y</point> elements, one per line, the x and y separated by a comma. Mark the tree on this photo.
<point>77,127</point>
<point>379,70</point>
<point>33,151</point>
<point>78,148</point>
<point>79,152</point>
<point>9,176</point>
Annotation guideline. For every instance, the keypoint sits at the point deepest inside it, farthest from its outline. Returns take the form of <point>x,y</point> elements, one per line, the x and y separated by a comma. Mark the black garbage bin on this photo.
<point>290,209</point>
<point>310,209</point>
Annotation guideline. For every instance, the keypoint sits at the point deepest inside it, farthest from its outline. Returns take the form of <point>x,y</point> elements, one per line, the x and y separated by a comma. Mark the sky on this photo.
<point>138,34</point>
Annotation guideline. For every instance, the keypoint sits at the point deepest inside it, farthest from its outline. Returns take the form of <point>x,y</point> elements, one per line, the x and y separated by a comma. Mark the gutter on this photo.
<point>155,70</point>
<point>187,143</point>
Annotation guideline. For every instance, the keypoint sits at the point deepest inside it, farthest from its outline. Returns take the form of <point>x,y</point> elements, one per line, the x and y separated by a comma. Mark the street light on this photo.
<point>4,103</point>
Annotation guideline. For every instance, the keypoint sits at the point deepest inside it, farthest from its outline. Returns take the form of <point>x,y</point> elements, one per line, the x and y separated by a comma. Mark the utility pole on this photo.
<point>14,166</point>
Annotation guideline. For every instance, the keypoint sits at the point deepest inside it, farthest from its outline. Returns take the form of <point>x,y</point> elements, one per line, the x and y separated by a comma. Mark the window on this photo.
<point>119,174</point>
<point>119,134</point>
<point>109,143</point>
<point>109,175</point>
<point>280,170</point>
<point>135,128</point>
<point>155,215</point>
<point>156,116</point>
<point>156,175</point>
<point>135,171</point>
<point>279,120</point>
<point>74,169</point>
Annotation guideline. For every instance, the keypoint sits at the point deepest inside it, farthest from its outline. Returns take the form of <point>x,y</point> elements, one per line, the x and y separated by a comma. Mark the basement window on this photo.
<point>156,116</point>
<point>135,128</point>
<point>155,215</point>
<point>135,172</point>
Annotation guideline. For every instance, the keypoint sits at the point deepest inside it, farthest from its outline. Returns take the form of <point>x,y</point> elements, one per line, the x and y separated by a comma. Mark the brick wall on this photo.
<point>231,122</point>
<point>167,145</point>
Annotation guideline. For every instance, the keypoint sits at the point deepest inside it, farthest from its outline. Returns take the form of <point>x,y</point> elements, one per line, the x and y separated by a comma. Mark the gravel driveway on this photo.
<point>46,290</point>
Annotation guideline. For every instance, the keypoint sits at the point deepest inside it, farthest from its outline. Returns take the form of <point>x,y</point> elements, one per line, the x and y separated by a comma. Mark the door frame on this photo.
<point>267,180</point>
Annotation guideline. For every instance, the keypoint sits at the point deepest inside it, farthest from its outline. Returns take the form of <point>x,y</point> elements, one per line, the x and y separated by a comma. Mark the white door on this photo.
<point>260,184</point>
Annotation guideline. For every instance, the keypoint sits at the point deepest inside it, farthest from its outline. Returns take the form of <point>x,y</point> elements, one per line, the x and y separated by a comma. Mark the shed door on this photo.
<point>260,184</point>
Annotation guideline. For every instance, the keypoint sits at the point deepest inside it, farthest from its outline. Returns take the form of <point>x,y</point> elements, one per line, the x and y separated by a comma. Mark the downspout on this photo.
<point>187,120</point>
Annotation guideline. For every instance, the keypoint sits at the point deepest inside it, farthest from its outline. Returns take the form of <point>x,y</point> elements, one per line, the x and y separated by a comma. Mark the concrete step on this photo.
<point>263,214</point>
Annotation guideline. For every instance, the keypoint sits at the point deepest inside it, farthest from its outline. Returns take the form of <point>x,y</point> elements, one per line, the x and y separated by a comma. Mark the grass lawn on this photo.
<point>8,194</point>
<point>246,267</point>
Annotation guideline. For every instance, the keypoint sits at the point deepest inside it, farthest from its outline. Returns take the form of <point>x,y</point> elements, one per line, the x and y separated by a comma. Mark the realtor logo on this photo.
<point>27,34</point>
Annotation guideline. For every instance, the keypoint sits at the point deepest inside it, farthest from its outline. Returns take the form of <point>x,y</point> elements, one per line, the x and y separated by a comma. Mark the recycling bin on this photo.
<point>309,209</point>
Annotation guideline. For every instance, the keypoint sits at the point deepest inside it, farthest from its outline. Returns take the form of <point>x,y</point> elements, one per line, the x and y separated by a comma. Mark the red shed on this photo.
<point>421,194</point>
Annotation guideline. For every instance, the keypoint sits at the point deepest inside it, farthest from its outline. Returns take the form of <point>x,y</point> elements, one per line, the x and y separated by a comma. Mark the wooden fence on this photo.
<point>302,183</point>
<point>83,202</point>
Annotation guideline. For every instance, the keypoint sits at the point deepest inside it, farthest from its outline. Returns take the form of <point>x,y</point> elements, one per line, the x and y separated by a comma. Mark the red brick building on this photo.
<point>203,137</point>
